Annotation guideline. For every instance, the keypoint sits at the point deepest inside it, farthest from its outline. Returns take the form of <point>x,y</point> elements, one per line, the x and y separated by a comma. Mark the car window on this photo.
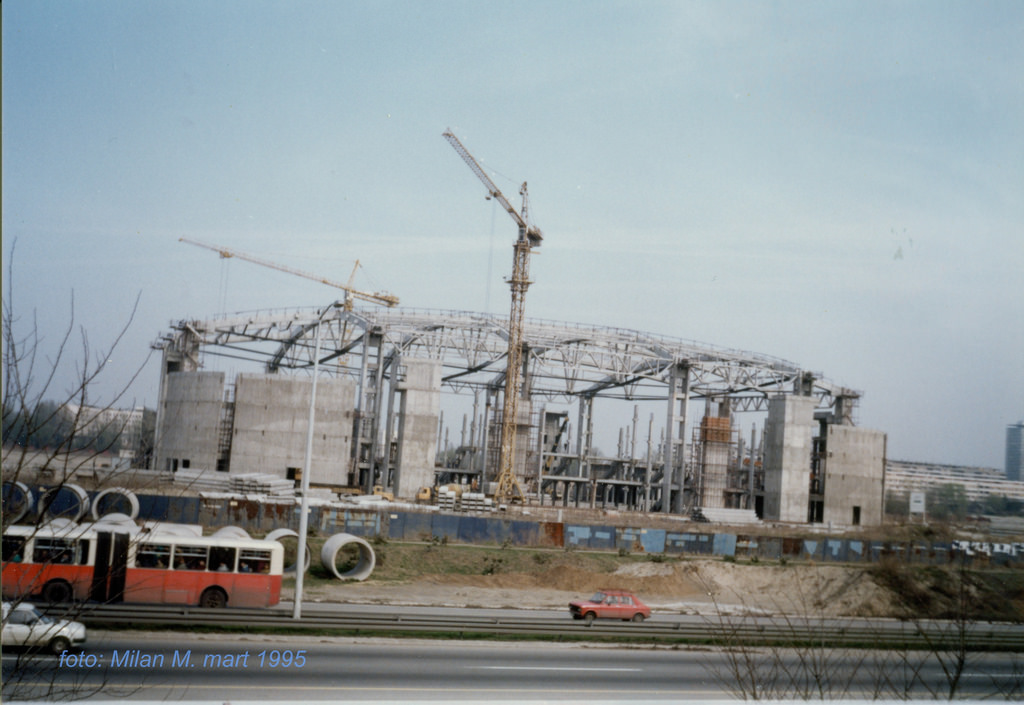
<point>598,597</point>
<point>28,616</point>
<point>21,617</point>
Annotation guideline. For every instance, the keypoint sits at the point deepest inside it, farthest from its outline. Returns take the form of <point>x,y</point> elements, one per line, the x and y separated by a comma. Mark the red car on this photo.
<point>610,604</point>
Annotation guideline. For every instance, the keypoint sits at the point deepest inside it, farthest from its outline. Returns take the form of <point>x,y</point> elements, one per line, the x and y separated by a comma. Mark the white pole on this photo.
<point>300,559</point>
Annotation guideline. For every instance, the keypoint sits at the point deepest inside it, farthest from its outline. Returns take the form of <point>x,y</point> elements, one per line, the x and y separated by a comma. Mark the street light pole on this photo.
<point>300,559</point>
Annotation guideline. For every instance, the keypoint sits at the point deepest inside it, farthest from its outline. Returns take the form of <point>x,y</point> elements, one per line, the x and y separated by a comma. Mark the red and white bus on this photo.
<point>83,562</point>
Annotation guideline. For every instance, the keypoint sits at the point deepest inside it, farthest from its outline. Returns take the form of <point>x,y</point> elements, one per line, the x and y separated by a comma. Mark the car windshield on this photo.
<point>598,597</point>
<point>40,617</point>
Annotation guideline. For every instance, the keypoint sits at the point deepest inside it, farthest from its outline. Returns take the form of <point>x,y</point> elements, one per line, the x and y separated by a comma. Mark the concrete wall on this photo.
<point>854,475</point>
<point>271,421</point>
<point>420,392</point>
<point>190,420</point>
<point>787,457</point>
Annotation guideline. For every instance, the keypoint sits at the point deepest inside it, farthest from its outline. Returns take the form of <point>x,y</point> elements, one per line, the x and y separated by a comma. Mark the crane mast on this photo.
<point>529,237</point>
<point>351,293</point>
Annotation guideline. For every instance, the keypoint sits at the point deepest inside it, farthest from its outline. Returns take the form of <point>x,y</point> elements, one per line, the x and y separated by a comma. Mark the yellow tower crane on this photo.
<point>529,237</point>
<point>382,298</point>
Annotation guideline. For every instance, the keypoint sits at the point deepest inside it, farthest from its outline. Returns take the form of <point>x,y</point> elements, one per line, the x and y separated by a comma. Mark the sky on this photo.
<point>838,184</point>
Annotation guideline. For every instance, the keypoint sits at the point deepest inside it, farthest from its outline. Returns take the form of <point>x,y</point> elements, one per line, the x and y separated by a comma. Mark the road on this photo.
<point>135,666</point>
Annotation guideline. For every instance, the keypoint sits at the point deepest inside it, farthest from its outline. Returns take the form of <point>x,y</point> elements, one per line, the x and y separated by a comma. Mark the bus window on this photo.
<point>14,549</point>
<point>53,551</point>
<point>253,561</point>
<point>190,557</point>
<point>151,555</point>
<point>222,559</point>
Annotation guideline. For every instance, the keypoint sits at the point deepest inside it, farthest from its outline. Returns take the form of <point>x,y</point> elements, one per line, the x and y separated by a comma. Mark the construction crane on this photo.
<point>382,298</point>
<point>509,489</point>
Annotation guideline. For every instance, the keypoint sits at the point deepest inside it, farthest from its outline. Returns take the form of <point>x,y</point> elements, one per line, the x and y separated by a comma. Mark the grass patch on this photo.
<point>399,562</point>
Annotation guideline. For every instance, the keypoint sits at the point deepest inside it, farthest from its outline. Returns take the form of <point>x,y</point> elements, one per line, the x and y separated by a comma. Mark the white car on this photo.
<point>24,625</point>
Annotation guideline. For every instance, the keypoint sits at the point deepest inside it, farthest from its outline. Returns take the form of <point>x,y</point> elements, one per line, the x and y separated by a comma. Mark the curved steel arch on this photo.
<point>564,360</point>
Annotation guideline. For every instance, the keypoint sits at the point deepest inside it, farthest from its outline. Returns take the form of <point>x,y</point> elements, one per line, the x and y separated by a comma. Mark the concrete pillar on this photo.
<point>675,440</point>
<point>788,433</point>
<point>417,427</point>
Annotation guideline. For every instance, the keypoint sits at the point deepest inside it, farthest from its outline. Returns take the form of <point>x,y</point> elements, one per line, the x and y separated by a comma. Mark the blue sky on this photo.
<point>839,184</point>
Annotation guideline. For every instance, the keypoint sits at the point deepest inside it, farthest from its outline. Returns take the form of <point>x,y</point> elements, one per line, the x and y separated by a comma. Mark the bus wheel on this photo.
<point>213,597</point>
<point>57,591</point>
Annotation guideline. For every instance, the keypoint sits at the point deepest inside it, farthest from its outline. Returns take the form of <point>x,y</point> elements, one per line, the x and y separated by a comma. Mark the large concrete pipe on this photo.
<point>363,565</point>
<point>231,532</point>
<point>65,502</point>
<point>17,501</point>
<point>116,522</point>
<point>115,499</point>
<point>278,534</point>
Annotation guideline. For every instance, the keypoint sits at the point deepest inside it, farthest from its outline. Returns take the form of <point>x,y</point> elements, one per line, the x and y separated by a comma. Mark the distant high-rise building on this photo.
<point>1015,451</point>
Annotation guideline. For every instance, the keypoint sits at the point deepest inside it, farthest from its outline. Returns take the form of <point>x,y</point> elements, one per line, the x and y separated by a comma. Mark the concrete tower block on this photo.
<point>854,476</point>
<point>420,406</point>
<point>271,422</point>
<point>190,421</point>
<point>788,433</point>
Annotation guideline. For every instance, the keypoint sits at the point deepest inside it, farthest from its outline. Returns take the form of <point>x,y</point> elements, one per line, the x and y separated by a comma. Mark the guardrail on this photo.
<point>722,631</point>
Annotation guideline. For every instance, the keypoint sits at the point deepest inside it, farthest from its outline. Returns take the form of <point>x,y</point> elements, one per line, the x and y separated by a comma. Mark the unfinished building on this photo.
<point>388,375</point>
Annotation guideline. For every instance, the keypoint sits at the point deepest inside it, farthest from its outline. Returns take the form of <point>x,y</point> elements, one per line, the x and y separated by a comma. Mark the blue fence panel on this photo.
<point>675,542</point>
<point>480,530</point>
<point>835,550</point>
<point>628,538</point>
<point>445,526</point>
<point>410,526</point>
<point>811,549</point>
<point>653,540</point>
<point>701,544</point>
<point>854,551</point>
<point>361,523</point>
<point>328,519</point>
<point>746,546</point>
<point>153,507</point>
<point>919,553</point>
<point>521,533</point>
<point>592,537</point>
<point>577,536</point>
<point>724,545</point>
<point>178,510</point>
<point>602,538</point>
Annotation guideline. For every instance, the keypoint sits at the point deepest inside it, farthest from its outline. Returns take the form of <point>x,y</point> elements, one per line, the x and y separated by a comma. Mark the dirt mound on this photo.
<point>467,576</point>
<point>805,589</point>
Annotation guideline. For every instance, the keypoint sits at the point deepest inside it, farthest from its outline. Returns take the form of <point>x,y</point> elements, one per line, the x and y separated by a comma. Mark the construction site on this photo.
<point>419,403</point>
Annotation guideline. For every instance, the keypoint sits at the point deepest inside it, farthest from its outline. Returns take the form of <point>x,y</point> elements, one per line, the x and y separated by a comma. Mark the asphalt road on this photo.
<point>186,666</point>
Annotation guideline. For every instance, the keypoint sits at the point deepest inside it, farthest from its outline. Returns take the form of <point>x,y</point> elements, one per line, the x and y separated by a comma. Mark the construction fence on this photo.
<point>406,525</point>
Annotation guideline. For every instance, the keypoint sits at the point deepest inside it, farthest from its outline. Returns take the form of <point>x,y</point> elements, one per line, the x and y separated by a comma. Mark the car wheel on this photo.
<point>589,618</point>
<point>638,617</point>
<point>59,644</point>
<point>213,597</point>
<point>57,591</point>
